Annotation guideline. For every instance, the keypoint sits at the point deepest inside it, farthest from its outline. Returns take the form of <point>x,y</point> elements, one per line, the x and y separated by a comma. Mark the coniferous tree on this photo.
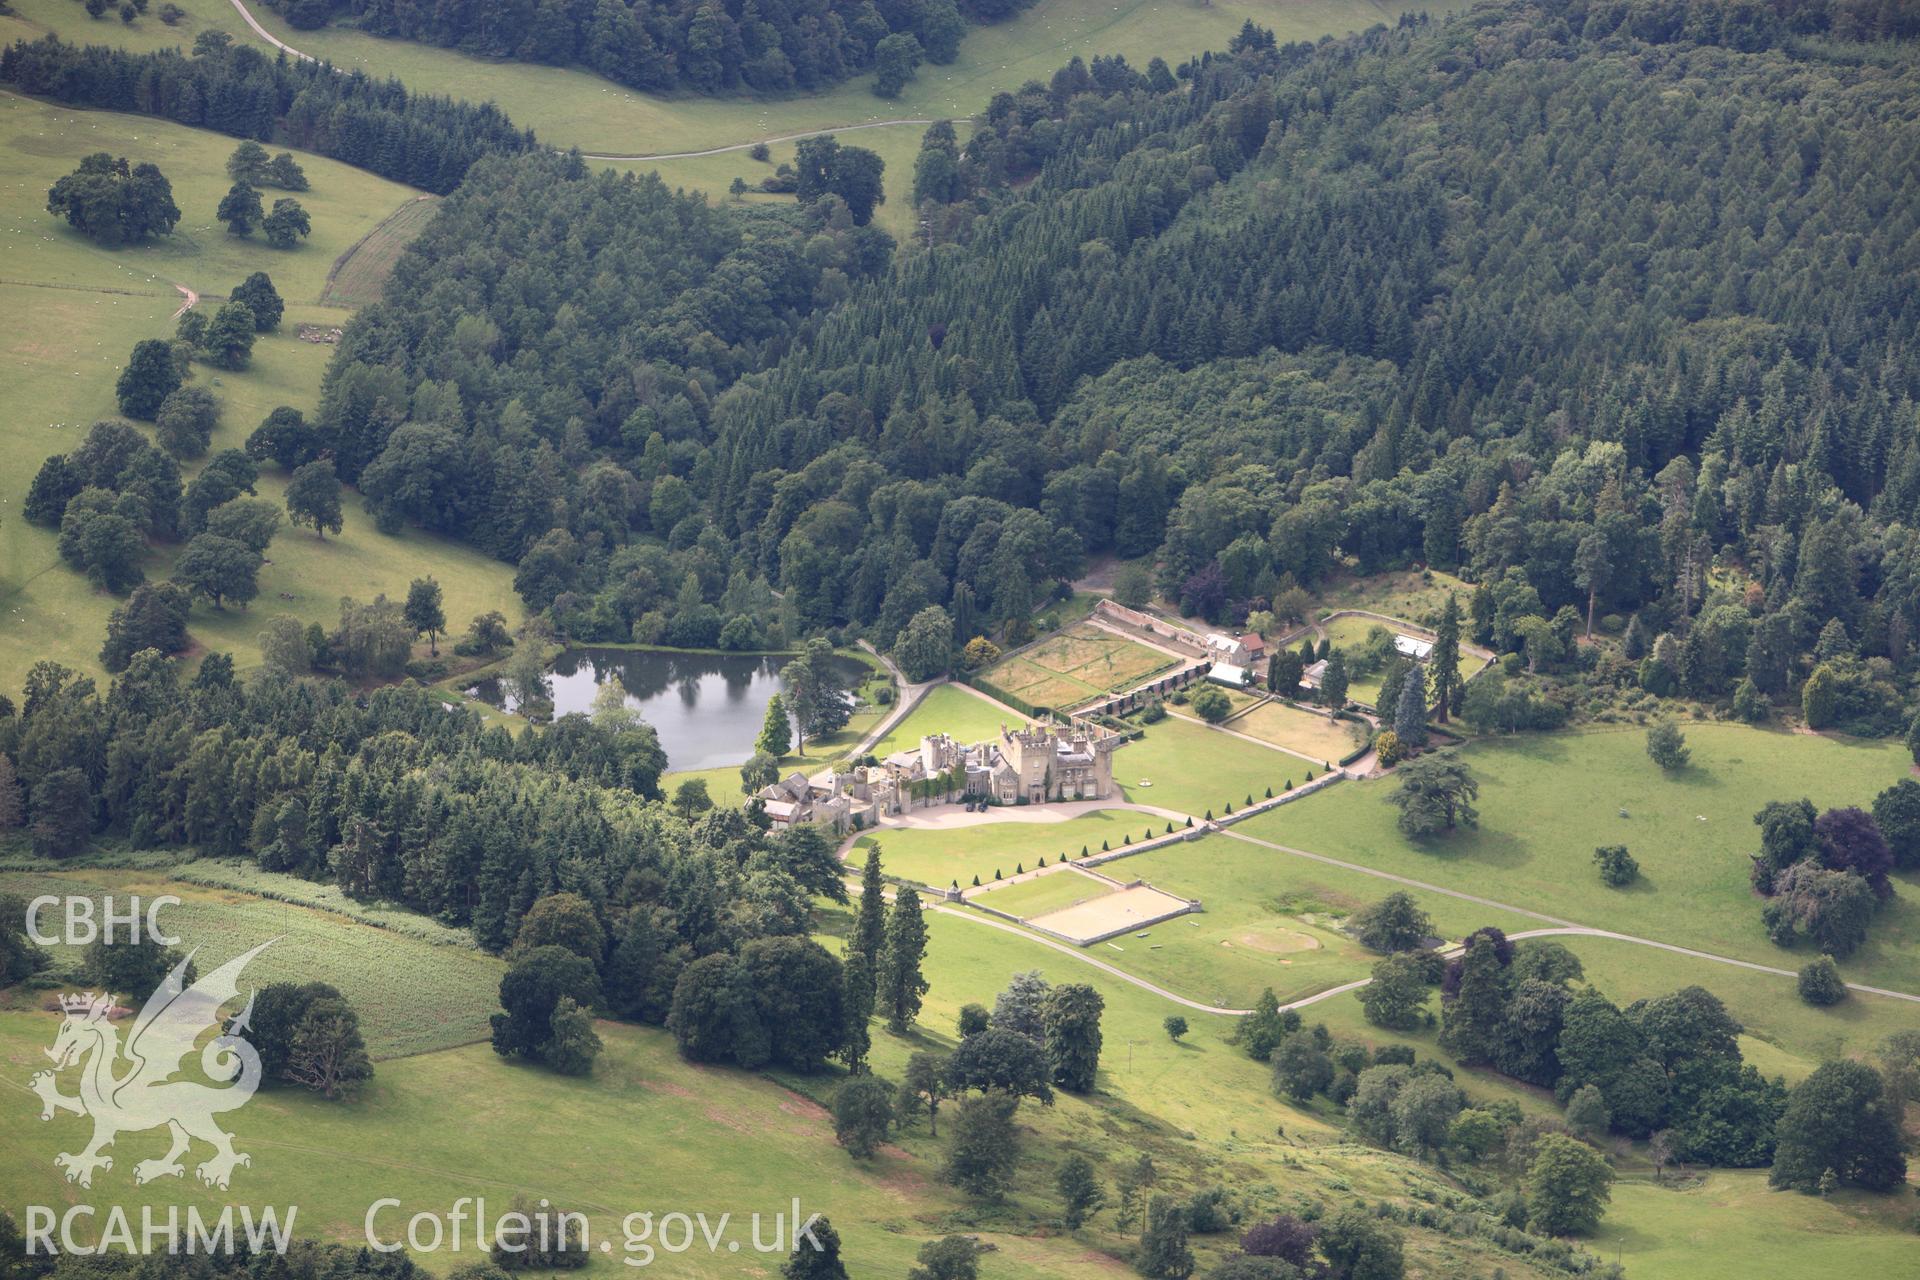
<point>899,983</point>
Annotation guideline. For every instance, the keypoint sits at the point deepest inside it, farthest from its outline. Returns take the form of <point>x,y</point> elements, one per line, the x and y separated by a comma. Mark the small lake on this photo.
<point>707,707</point>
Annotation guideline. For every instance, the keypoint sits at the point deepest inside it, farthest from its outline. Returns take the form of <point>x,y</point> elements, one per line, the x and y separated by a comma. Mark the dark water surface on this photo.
<point>707,707</point>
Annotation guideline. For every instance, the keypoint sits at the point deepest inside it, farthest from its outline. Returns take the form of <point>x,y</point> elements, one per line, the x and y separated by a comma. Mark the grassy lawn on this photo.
<point>953,710</point>
<point>1052,892</point>
<point>1192,768</point>
<point>1314,736</point>
<point>1545,802</point>
<point>1349,634</point>
<point>939,858</point>
<point>391,977</point>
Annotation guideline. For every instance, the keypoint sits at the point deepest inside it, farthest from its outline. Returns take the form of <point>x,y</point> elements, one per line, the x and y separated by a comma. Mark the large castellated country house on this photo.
<point>1021,766</point>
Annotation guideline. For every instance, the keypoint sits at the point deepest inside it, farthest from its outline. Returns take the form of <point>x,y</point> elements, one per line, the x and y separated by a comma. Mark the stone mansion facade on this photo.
<point>1020,766</point>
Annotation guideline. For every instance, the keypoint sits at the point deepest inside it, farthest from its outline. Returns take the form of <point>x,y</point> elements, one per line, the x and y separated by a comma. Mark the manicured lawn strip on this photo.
<point>1051,892</point>
<point>938,857</point>
<point>358,276</point>
<point>1193,768</point>
<point>953,710</point>
<point>1547,801</point>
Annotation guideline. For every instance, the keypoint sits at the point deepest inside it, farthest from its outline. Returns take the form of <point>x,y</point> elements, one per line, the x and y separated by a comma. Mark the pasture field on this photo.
<point>938,856</point>
<point>71,311</point>
<point>954,710</point>
<point>1053,891</point>
<point>1270,920</point>
<point>646,1127</point>
<point>413,996</point>
<point>573,108</point>
<point>1074,665</point>
<point>1314,736</point>
<point>43,142</point>
<point>1729,1226</point>
<point>1547,801</point>
<point>359,276</point>
<point>1187,766</point>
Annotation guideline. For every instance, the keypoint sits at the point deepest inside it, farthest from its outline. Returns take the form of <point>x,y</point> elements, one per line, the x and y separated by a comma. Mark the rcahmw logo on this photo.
<point>130,1089</point>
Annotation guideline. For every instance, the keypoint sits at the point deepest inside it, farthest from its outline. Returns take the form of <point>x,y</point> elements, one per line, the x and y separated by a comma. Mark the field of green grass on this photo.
<point>1183,765</point>
<point>1269,921</point>
<point>70,312</point>
<point>43,142</point>
<point>648,1131</point>
<point>570,108</point>
<point>1314,736</point>
<point>939,857</point>
<point>358,276</point>
<point>1546,802</point>
<point>413,996</point>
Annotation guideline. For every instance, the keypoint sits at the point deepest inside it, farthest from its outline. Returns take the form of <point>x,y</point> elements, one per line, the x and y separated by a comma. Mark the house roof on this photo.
<point>1227,673</point>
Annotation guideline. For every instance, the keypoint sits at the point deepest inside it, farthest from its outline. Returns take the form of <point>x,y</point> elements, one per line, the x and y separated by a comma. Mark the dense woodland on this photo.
<point>1610,309</point>
<point>420,140</point>
<point>713,46</point>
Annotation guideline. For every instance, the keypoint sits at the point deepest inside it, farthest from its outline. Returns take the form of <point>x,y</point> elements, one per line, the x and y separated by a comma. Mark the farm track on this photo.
<point>341,263</point>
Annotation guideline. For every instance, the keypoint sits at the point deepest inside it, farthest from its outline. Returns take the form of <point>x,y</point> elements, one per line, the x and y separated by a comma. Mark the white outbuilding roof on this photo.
<point>1411,647</point>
